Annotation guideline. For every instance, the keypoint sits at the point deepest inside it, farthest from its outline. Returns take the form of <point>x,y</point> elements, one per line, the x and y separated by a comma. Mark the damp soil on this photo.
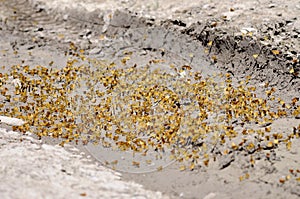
<point>258,39</point>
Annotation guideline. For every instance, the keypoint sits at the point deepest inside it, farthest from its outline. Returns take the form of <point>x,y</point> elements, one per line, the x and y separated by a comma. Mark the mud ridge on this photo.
<point>235,52</point>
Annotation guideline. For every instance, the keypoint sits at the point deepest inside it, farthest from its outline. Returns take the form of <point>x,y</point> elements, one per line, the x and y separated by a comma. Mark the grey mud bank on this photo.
<point>258,39</point>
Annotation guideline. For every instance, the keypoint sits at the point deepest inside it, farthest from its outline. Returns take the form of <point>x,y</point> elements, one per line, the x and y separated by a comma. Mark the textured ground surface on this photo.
<point>257,38</point>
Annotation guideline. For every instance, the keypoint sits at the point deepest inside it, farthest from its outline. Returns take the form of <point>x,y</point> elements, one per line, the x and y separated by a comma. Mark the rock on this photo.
<point>11,121</point>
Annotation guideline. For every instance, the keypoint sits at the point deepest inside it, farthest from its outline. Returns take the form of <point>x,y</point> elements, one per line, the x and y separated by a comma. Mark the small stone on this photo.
<point>246,30</point>
<point>65,17</point>
<point>272,5</point>
<point>11,121</point>
<point>210,196</point>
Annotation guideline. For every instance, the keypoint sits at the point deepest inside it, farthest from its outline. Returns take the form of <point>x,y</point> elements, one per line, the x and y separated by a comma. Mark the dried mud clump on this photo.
<point>146,108</point>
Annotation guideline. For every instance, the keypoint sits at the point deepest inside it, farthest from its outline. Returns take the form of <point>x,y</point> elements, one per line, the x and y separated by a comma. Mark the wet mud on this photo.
<point>264,164</point>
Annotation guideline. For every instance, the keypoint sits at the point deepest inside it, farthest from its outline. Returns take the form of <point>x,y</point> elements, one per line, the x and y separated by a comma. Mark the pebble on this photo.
<point>11,121</point>
<point>272,5</point>
<point>247,30</point>
<point>65,17</point>
<point>210,196</point>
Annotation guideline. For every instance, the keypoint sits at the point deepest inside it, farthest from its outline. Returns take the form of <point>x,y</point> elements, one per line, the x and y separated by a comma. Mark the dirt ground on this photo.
<point>256,39</point>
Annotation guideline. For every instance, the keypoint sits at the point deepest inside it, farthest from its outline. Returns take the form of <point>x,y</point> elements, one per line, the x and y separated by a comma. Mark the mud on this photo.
<point>210,38</point>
